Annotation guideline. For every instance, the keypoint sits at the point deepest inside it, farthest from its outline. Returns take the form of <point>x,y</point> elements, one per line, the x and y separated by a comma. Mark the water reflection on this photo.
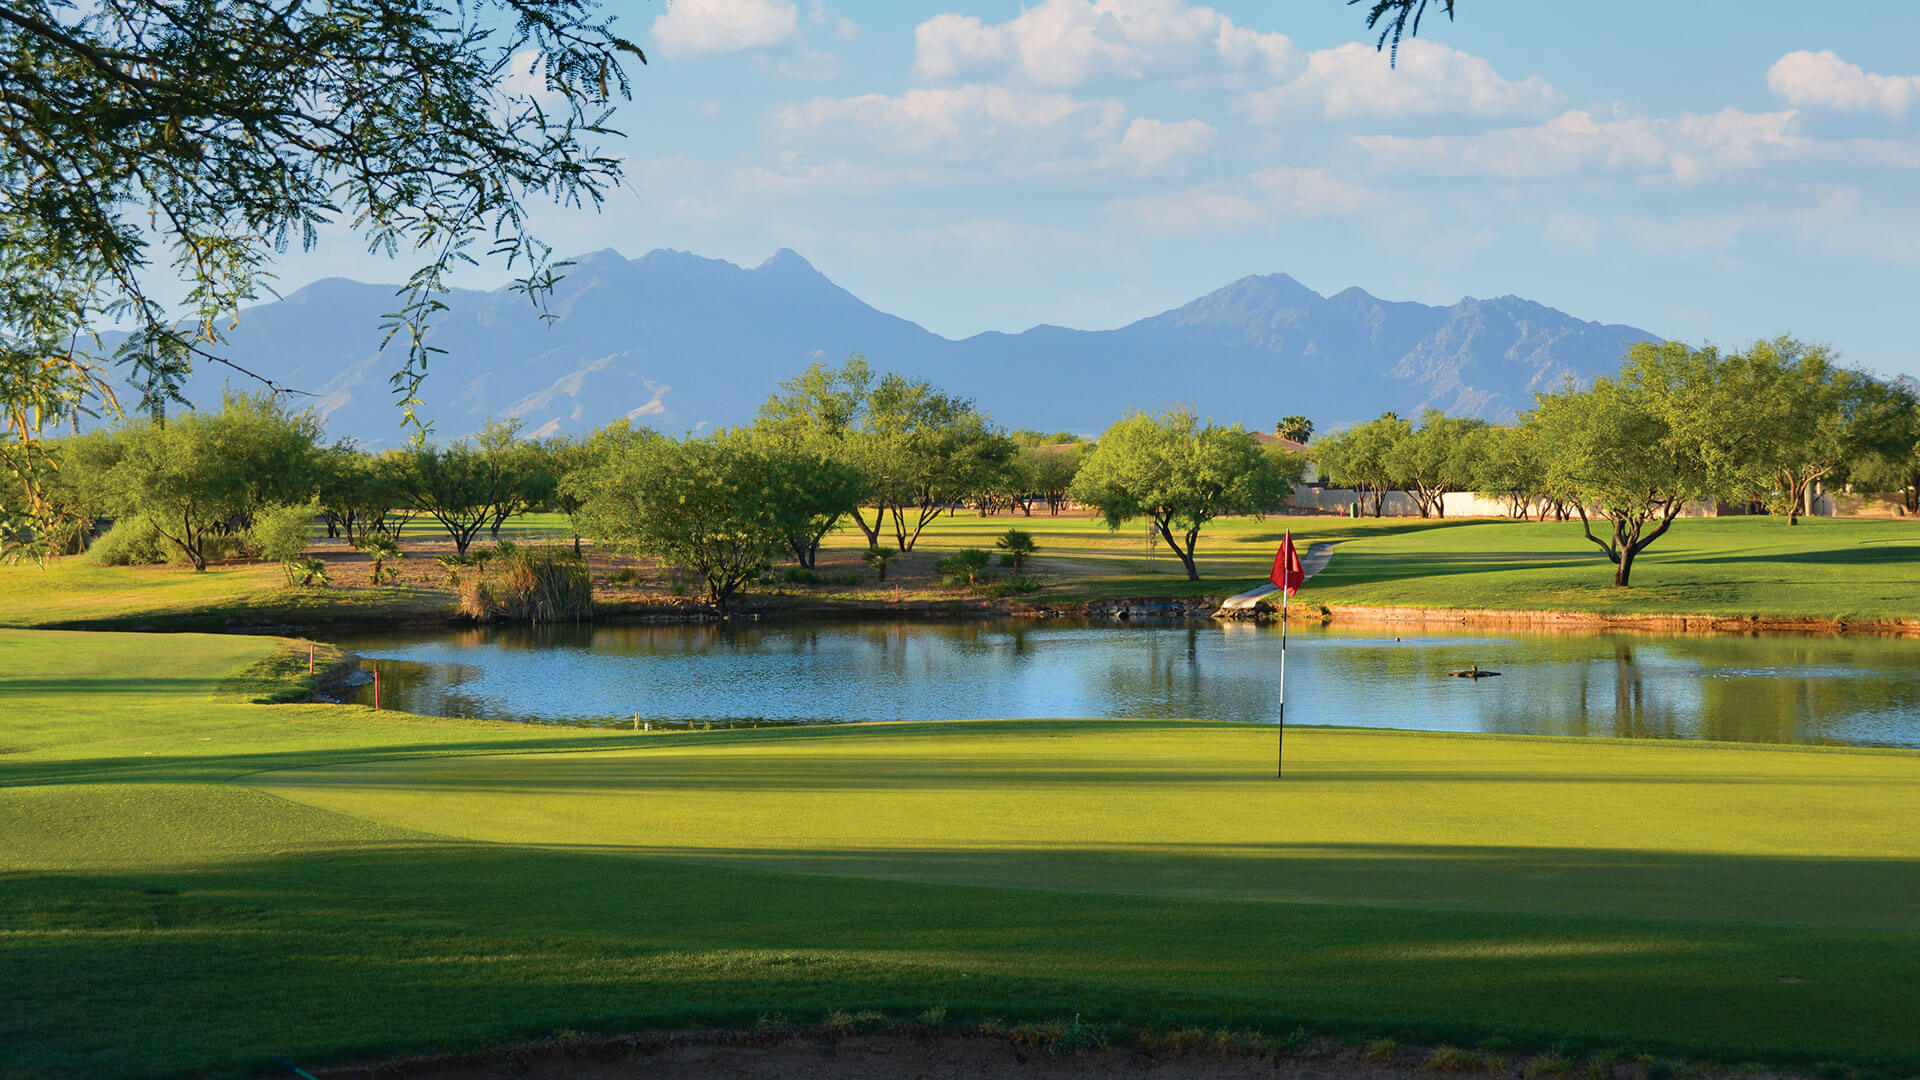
<point>1786,689</point>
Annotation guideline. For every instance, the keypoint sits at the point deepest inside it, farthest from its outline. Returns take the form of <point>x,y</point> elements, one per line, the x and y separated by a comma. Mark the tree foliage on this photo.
<point>205,474</point>
<point>1397,20</point>
<point>1634,449</point>
<point>1361,458</point>
<point>209,137</point>
<point>1179,475</point>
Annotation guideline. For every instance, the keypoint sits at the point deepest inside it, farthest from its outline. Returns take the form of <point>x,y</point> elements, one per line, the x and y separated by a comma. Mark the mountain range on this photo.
<point>685,343</point>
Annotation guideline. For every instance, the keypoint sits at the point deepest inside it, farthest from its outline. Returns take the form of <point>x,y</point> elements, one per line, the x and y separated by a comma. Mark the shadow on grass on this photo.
<point>1844,556</point>
<point>332,956</point>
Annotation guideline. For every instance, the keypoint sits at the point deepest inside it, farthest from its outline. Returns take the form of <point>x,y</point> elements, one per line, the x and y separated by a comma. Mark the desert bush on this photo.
<point>799,575</point>
<point>527,584</point>
<point>132,541</point>
<point>1013,586</point>
<point>280,531</point>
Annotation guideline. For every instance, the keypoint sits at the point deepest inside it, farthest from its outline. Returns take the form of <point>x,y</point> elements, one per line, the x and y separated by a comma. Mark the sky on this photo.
<point>1708,170</point>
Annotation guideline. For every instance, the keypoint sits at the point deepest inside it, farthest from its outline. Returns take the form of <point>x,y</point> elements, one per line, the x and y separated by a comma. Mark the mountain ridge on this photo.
<point>687,343</point>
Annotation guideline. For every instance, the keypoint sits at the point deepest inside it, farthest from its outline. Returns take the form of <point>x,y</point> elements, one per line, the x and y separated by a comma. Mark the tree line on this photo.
<point>836,446</point>
<point>1676,426</point>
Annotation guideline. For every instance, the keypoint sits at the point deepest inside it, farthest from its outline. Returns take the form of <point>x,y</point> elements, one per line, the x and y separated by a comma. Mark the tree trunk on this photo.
<point>1624,569</point>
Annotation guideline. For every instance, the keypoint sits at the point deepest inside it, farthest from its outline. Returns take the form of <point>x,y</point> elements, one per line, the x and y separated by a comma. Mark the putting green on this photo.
<point>1702,831</point>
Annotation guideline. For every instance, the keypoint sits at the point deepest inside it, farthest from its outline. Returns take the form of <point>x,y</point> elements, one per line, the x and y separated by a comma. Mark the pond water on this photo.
<point>1861,691</point>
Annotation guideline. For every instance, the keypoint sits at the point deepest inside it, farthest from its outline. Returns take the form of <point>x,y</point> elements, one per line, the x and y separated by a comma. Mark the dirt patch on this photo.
<point>1029,1052</point>
<point>823,1055</point>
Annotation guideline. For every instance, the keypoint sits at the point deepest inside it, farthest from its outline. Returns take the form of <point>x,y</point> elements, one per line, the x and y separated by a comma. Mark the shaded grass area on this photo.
<point>494,882</point>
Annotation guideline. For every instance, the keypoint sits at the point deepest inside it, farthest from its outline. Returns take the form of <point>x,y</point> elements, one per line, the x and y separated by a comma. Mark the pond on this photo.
<point>1861,691</point>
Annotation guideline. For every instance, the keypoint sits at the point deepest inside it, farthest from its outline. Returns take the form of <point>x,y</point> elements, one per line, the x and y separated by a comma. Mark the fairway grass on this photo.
<point>190,884</point>
<point>1842,571</point>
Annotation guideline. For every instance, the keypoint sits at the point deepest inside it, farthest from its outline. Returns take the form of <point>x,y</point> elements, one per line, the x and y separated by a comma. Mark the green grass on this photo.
<point>1826,569</point>
<point>198,884</point>
<point>1823,568</point>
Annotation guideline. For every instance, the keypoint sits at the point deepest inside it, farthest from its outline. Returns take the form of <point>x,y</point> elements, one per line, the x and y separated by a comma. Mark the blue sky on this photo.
<point>1709,170</point>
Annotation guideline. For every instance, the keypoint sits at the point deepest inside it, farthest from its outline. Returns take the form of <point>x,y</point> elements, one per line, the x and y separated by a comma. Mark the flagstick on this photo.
<point>1280,741</point>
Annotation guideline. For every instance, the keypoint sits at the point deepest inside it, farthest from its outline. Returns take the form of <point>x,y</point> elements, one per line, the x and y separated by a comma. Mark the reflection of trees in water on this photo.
<point>1778,689</point>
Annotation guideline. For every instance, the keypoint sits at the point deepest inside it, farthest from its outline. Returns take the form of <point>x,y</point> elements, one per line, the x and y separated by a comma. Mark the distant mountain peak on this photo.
<point>789,262</point>
<point>689,342</point>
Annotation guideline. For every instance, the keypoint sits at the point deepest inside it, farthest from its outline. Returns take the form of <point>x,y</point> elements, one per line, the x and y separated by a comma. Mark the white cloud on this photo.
<point>1267,196</point>
<point>1311,193</point>
<point>843,28</point>
<point>1064,43</point>
<point>1824,80</point>
<point>956,123</point>
<point>1202,210</point>
<point>1688,147</point>
<point>808,65</point>
<point>1357,80</point>
<point>525,78</point>
<point>698,27</point>
<point>1154,146</point>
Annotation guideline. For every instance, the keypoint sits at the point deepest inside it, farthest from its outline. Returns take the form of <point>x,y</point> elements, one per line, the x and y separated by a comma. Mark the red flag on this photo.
<point>1286,567</point>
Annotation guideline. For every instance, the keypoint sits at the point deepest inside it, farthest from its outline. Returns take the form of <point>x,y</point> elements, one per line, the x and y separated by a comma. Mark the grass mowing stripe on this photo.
<point>157,918</point>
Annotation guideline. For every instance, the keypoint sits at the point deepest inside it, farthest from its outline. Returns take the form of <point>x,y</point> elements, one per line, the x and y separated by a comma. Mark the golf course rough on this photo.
<point>195,884</point>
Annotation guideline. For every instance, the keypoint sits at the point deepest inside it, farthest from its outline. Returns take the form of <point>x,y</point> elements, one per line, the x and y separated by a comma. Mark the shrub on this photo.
<point>530,585</point>
<point>1382,1049</point>
<point>964,567</point>
<point>132,541</point>
<point>1018,545</point>
<point>471,557</point>
<point>305,570</point>
<point>800,575</point>
<point>626,575</point>
<point>1013,586</point>
<point>877,558</point>
<point>1549,1064</point>
<point>1452,1059</point>
<point>382,549</point>
<point>280,532</point>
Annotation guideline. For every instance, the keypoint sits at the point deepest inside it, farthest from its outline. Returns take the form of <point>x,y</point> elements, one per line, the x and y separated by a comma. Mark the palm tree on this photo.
<point>1297,428</point>
<point>1018,544</point>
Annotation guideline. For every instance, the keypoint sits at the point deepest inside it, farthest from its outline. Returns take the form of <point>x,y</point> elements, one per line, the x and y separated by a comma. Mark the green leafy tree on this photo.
<point>1634,449</point>
<point>209,137</point>
<point>205,474</point>
<point>1179,475</point>
<point>1807,417</point>
<point>1363,458</point>
<point>813,421</point>
<point>1045,470</point>
<point>1435,458</point>
<point>1296,428</point>
<point>461,486</point>
<point>709,506</point>
<point>362,495</point>
<point>1509,468</point>
<point>925,452</point>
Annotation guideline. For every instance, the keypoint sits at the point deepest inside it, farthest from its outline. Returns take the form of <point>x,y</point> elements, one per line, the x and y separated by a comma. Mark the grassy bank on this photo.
<point>1822,569</point>
<point>193,883</point>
